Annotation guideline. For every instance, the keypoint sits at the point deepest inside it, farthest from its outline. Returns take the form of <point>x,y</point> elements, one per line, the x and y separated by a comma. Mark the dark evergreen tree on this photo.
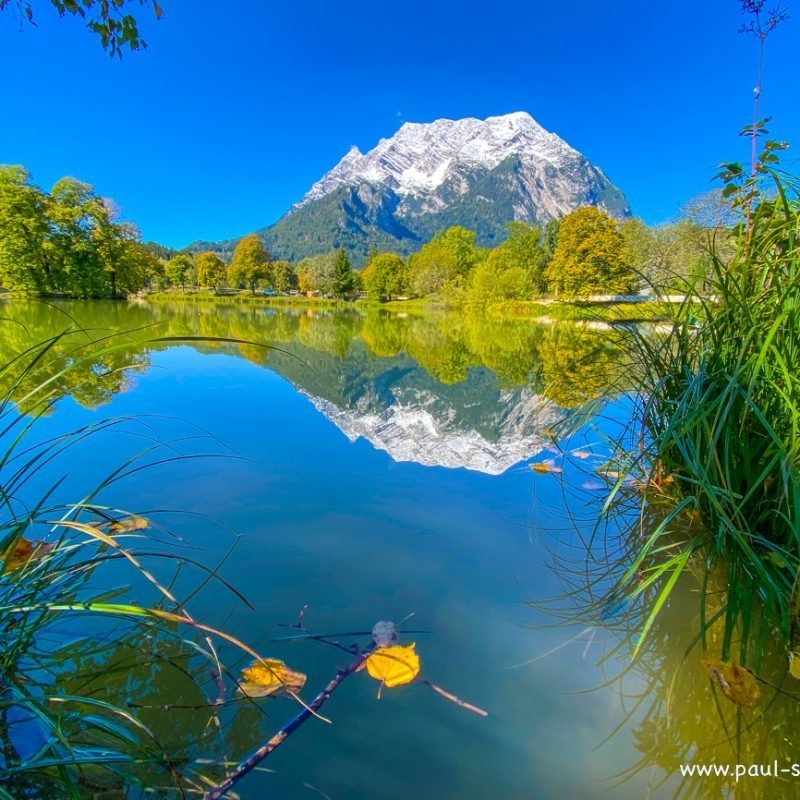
<point>344,281</point>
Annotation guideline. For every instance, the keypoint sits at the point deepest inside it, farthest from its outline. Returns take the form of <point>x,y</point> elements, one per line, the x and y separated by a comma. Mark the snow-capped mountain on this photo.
<point>477,173</point>
<point>420,159</point>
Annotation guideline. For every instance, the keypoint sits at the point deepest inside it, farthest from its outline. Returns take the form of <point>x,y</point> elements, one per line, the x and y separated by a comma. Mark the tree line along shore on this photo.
<point>72,242</point>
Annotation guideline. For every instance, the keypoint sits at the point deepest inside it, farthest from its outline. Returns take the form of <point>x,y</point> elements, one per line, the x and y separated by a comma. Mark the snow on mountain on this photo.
<point>480,174</point>
<point>422,158</point>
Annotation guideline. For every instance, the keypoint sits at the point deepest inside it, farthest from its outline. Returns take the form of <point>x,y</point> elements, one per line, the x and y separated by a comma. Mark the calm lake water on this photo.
<point>377,466</point>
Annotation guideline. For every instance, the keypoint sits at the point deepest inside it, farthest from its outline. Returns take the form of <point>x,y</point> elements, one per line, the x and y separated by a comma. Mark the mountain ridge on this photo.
<point>481,174</point>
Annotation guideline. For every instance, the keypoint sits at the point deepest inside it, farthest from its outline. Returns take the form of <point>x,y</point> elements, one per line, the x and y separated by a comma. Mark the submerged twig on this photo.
<point>453,699</point>
<point>275,741</point>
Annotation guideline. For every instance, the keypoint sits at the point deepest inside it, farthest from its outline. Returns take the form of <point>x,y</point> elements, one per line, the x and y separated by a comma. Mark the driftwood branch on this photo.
<point>272,744</point>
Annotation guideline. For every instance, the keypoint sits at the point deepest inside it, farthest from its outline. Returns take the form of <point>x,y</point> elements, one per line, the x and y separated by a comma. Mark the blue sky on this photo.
<point>230,115</point>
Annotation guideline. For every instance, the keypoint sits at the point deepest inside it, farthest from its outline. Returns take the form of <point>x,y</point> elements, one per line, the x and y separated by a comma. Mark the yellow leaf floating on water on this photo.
<point>794,665</point>
<point>393,666</point>
<point>128,524</point>
<point>270,677</point>
<point>545,467</point>
<point>736,682</point>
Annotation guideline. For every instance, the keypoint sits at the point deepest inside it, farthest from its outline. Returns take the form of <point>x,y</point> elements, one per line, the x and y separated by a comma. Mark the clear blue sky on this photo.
<point>236,108</point>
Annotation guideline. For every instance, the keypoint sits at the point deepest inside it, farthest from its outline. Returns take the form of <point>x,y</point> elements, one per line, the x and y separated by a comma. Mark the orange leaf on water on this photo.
<point>270,677</point>
<point>736,682</point>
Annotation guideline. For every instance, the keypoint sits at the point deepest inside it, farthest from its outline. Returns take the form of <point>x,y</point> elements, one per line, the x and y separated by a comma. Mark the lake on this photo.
<point>373,466</point>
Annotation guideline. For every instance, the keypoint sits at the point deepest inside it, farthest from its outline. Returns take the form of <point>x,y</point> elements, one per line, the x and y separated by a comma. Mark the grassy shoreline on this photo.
<point>248,300</point>
<point>537,310</point>
<point>580,311</point>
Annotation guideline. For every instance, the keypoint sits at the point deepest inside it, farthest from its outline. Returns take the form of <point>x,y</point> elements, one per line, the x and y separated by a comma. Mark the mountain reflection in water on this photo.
<point>424,513</point>
<point>439,390</point>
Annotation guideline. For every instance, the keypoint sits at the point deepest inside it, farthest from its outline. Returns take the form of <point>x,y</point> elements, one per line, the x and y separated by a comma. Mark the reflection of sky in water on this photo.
<point>342,527</point>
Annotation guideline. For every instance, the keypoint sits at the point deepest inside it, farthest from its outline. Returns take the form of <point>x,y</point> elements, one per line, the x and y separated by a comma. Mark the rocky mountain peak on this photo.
<point>478,173</point>
<point>421,157</point>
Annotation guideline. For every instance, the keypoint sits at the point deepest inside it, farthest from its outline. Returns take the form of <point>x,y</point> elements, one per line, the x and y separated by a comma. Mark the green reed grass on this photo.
<point>718,420</point>
<point>64,732</point>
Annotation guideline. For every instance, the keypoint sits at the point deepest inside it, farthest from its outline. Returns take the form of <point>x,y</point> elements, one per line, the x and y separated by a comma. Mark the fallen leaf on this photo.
<point>128,524</point>
<point>270,677</point>
<point>545,467</point>
<point>736,682</point>
<point>794,665</point>
<point>23,551</point>
<point>393,666</point>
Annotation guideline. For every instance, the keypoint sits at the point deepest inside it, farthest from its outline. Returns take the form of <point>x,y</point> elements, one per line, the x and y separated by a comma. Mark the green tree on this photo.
<point>160,250</point>
<point>642,248</point>
<point>70,241</point>
<point>589,257</point>
<point>250,263</point>
<point>25,264</point>
<point>670,257</point>
<point>78,225</point>
<point>156,275</point>
<point>385,277</point>
<point>344,281</point>
<point>211,270</point>
<point>178,269</point>
<point>106,18</point>
<point>442,265</point>
<point>317,273</point>
<point>512,271</point>
<point>524,249</point>
<point>499,277</point>
<point>550,237</point>
<point>134,266</point>
<point>92,252</point>
<point>282,276</point>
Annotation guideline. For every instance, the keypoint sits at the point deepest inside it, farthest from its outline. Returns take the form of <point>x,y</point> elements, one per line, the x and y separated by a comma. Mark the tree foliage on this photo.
<point>672,256</point>
<point>70,241</point>
<point>512,271</point>
<point>589,257</point>
<point>386,277</point>
<point>111,20</point>
<point>178,270</point>
<point>442,265</point>
<point>498,278</point>
<point>210,269</point>
<point>344,279</point>
<point>250,263</point>
<point>25,263</point>
<point>282,276</point>
<point>524,248</point>
<point>317,273</point>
